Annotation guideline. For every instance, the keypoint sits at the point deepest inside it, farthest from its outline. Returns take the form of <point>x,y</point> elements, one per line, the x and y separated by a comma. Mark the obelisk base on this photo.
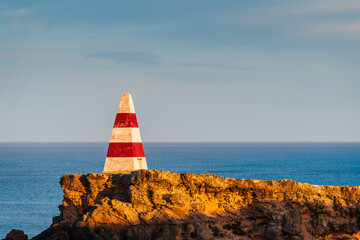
<point>124,164</point>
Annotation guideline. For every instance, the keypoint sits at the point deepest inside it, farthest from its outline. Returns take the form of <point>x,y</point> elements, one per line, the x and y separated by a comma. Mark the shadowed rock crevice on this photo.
<point>149,204</point>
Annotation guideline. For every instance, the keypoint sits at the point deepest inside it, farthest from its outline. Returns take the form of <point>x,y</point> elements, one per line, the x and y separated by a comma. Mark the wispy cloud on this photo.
<point>325,20</point>
<point>224,65</point>
<point>18,13</point>
<point>128,57</point>
<point>334,30</point>
<point>326,7</point>
<point>22,19</point>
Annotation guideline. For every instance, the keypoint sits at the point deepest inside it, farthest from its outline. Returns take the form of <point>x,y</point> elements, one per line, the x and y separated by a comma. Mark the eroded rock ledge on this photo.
<point>149,204</point>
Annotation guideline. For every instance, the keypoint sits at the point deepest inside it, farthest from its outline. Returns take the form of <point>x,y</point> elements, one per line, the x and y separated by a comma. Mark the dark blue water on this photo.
<point>30,172</point>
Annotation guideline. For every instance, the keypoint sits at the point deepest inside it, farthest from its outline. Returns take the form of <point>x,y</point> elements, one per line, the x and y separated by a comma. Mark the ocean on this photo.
<point>30,172</point>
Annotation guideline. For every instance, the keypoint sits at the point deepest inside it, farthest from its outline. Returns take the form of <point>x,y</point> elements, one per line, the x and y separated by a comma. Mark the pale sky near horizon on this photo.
<point>197,70</point>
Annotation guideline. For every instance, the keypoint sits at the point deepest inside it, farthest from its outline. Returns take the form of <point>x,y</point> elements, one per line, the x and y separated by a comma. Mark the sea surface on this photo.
<point>30,172</point>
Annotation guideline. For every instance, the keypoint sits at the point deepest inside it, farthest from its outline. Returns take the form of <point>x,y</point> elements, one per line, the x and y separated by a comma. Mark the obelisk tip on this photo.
<point>126,104</point>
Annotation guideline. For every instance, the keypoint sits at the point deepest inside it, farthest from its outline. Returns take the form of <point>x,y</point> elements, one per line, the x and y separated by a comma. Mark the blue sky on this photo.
<point>197,70</point>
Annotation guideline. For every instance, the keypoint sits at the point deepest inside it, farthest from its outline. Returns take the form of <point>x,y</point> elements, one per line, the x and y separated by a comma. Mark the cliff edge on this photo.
<point>149,204</point>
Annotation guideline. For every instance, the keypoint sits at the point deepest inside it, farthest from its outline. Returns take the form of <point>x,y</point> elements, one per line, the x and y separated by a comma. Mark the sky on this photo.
<point>217,71</point>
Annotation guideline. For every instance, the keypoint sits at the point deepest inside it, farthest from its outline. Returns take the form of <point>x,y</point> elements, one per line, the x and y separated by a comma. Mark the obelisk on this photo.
<point>125,152</point>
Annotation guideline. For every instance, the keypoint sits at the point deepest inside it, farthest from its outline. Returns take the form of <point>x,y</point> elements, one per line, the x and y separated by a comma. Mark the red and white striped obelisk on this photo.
<point>126,152</point>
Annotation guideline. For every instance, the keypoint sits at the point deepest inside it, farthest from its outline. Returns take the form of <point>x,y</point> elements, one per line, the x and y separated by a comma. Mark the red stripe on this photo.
<point>125,150</point>
<point>123,120</point>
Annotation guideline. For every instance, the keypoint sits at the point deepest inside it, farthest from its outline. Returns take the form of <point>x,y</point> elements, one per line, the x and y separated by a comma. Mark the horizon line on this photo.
<point>185,142</point>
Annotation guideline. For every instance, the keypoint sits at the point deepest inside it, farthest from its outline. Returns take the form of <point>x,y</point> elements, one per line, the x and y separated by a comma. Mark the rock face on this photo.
<point>16,235</point>
<point>148,204</point>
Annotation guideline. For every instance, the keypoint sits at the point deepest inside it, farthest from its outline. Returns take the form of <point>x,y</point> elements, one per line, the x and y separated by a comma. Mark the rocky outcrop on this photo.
<point>16,235</point>
<point>148,204</point>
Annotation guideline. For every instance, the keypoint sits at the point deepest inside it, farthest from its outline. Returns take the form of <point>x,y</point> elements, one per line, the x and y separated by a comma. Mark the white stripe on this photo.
<point>125,135</point>
<point>126,104</point>
<point>124,164</point>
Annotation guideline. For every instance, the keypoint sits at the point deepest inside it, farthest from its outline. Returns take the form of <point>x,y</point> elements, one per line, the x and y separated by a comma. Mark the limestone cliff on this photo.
<point>148,204</point>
